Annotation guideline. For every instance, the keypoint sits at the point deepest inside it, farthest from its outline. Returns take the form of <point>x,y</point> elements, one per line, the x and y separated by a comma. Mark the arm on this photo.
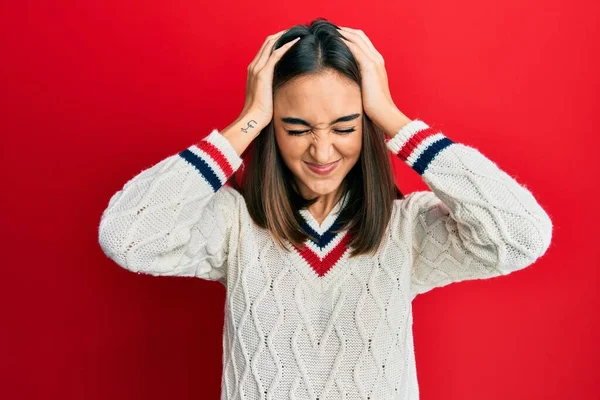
<point>476,223</point>
<point>176,218</point>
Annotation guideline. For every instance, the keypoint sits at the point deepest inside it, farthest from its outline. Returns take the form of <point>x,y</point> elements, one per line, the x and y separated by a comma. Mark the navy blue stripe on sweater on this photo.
<point>429,154</point>
<point>203,167</point>
<point>327,236</point>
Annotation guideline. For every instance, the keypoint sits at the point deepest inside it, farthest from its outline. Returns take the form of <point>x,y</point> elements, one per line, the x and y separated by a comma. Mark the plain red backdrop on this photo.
<point>93,92</point>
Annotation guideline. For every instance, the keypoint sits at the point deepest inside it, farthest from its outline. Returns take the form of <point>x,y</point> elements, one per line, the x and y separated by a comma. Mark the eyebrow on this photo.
<point>298,121</point>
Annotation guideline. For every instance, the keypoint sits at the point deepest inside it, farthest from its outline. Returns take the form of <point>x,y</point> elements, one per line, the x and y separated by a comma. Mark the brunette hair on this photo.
<point>267,184</point>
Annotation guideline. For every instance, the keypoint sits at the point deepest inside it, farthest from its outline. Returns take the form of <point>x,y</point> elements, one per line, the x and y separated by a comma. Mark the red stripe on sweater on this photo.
<point>217,156</point>
<point>321,267</point>
<point>414,142</point>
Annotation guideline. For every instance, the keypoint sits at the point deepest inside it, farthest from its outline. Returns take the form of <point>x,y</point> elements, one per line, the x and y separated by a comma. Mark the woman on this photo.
<point>320,254</point>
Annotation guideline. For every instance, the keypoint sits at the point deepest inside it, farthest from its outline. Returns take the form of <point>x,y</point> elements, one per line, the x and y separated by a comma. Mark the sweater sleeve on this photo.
<point>176,217</point>
<point>477,222</point>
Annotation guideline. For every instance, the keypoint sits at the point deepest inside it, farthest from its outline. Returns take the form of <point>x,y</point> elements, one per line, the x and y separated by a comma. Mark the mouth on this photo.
<point>323,169</point>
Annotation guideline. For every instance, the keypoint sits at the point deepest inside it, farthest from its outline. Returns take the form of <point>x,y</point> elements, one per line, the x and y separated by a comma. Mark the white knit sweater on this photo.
<point>293,329</point>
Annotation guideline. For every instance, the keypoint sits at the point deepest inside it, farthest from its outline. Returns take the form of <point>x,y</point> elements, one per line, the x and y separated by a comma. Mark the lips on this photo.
<point>323,169</point>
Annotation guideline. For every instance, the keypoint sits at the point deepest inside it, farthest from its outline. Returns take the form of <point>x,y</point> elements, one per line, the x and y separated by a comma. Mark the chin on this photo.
<point>322,188</point>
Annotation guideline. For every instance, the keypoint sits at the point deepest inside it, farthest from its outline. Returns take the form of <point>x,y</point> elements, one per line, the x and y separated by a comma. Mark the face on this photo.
<point>309,139</point>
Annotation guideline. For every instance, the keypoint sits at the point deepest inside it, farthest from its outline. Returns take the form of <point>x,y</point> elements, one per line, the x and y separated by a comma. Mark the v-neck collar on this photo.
<point>321,259</point>
<point>328,222</point>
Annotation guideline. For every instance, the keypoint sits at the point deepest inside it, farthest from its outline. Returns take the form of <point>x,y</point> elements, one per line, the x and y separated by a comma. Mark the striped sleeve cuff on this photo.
<point>417,144</point>
<point>214,158</point>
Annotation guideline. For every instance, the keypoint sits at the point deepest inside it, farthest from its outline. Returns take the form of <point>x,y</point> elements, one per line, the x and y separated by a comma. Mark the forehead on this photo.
<point>318,98</point>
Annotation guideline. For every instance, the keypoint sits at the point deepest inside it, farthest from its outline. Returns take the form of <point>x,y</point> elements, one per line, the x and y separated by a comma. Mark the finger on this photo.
<point>261,51</point>
<point>277,54</point>
<point>266,53</point>
<point>361,56</point>
<point>362,40</point>
<point>360,33</point>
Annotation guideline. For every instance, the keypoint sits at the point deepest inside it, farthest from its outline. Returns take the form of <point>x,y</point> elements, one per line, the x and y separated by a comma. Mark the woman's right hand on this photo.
<point>259,85</point>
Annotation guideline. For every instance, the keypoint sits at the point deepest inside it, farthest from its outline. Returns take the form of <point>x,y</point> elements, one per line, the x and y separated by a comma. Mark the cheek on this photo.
<point>291,150</point>
<point>350,147</point>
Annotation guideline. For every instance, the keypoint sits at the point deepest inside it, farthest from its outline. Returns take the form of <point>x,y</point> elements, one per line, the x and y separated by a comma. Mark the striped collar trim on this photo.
<point>328,247</point>
<point>314,228</point>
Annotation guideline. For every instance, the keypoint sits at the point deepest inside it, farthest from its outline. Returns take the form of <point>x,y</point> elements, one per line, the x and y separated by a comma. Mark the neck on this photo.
<point>324,205</point>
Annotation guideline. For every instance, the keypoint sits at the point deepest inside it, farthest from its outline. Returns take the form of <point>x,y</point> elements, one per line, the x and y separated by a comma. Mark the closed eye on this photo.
<point>341,131</point>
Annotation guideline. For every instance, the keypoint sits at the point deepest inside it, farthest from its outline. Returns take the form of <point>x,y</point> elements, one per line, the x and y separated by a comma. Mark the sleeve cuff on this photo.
<point>214,158</point>
<point>417,144</point>
<point>403,136</point>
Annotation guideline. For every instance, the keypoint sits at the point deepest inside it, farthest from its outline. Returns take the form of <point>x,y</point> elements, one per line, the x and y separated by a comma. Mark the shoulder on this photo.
<point>406,213</point>
<point>416,202</point>
<point>229,202</point>
<point>422,205</point>
<point>228,193</point>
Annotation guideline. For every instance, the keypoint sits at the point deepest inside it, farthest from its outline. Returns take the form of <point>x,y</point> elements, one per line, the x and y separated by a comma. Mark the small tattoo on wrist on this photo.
<point>245,130</point>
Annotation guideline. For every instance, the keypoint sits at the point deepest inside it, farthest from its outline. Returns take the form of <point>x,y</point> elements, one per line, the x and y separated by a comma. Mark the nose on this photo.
<point>322,149</point>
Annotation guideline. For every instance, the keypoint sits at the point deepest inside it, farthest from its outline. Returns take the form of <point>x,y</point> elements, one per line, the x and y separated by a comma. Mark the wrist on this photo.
<point>243,130</point>
<point>255,121</point>
<point>394,121</point>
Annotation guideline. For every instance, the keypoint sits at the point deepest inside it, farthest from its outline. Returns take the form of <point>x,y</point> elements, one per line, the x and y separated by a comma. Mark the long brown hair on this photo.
<point>267,184</point>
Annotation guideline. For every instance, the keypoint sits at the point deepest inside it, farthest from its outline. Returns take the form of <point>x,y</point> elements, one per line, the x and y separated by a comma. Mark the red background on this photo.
<point>92,92</point>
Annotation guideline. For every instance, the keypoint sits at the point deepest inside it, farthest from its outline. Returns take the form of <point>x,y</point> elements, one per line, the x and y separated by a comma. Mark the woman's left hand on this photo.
<point>376,96</point>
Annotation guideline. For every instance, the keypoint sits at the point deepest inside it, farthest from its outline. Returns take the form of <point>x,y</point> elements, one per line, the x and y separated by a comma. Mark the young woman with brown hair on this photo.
<point>320,253</point>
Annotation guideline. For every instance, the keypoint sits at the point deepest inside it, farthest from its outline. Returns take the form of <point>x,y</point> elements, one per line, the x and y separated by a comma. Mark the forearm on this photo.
<point>394,121</point>
<point>243,131</point>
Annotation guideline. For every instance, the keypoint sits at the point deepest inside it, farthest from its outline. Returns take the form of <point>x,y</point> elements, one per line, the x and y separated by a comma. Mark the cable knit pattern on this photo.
<point>313,323</point>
